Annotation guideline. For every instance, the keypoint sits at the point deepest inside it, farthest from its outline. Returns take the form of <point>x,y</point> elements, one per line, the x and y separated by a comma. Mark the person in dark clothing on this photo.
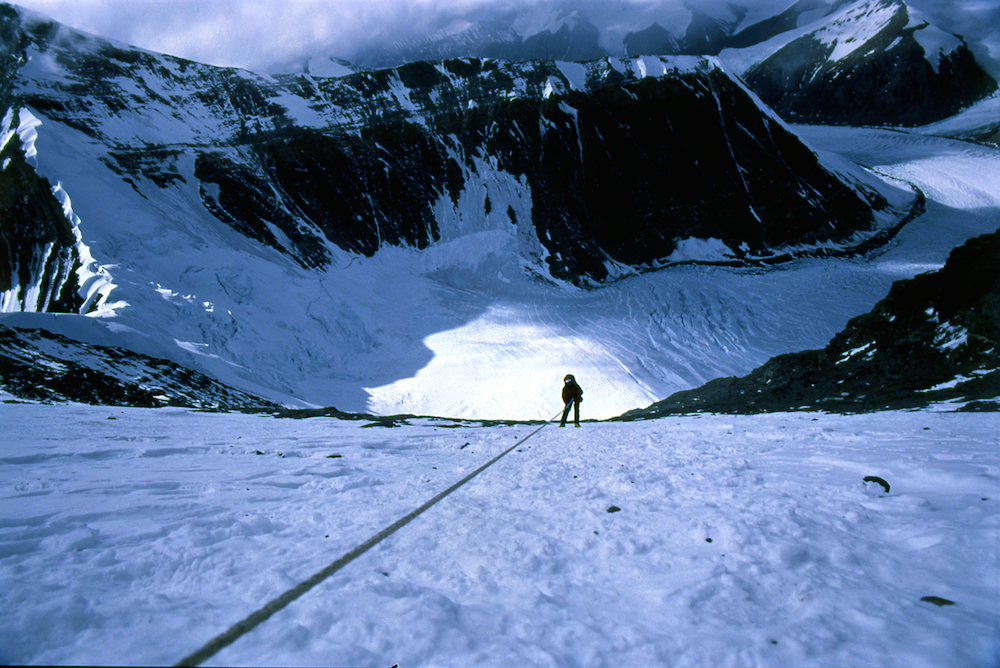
<point>572,395</point>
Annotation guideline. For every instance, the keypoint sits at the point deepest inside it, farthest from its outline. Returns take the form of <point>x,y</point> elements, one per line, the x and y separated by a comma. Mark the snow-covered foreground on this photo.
<point>134,536</point>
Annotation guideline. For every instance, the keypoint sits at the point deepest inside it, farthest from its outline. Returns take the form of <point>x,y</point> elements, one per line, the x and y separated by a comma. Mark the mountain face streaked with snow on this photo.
<point>866,63</point>
<point>599,169</point>
<point>270,194</point>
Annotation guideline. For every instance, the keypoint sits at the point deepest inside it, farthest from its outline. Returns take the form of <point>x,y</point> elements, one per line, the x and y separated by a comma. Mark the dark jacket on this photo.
<point>571,390</point>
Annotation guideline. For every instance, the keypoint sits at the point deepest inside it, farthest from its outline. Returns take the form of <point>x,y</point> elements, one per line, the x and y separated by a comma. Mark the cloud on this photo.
<point>224,32</point>
<point>254,33</point>
<point>259,34</point>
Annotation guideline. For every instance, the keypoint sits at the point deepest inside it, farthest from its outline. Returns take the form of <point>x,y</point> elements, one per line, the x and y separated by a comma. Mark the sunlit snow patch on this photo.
<point>700,250</point>
<point>949,336</point>
<point>868,349</point>
<point>499,364</point>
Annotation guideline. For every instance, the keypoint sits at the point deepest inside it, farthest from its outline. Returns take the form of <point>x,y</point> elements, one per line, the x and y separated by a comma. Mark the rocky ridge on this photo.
<point>934,338</point>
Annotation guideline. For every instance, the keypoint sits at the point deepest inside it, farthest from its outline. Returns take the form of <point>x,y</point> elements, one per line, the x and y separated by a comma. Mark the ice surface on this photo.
<point>132,536</point>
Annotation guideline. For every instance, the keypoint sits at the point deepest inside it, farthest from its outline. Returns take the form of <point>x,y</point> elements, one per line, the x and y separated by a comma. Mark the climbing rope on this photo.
<point>241,628</point>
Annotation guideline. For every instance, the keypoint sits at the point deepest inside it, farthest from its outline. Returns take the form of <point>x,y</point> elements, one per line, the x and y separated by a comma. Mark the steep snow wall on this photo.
<point>44,263</point>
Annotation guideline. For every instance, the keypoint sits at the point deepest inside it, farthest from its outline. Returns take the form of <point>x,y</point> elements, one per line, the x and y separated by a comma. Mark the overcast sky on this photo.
<point>251,34</point>
<point>259,34</point>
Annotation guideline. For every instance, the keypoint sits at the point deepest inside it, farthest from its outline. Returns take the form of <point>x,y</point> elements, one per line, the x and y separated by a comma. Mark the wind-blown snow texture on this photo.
<point>135,535</point>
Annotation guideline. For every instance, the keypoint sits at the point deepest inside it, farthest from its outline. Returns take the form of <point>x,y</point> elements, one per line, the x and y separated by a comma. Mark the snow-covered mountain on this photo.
<point>299,162</point>
<point>362,241</point>
<point>867,61</point>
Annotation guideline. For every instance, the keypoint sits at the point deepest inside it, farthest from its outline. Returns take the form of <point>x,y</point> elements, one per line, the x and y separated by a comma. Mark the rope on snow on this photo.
<point>241,628</point>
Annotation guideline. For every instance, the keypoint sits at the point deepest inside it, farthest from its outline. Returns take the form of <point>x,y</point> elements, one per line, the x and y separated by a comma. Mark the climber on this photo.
<point>572,395</point>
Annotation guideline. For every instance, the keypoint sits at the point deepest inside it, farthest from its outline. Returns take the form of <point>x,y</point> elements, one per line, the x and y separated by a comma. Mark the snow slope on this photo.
<point>980,121</point>
<point>133,536</point>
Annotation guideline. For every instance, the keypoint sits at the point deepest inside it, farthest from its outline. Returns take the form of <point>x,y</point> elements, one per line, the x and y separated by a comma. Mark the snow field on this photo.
<point>740,540</point>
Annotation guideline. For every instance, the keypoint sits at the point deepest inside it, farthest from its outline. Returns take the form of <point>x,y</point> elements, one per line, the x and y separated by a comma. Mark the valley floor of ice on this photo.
<point>133,536</point>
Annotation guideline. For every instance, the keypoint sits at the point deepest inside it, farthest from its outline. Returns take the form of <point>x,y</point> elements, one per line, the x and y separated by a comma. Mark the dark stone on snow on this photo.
<point>937,600</point>
<point>880,481</point>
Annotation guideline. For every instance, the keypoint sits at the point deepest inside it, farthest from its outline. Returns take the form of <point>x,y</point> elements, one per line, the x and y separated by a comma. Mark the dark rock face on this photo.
<point>654,40</point>
<point>619,172</point>
<point>576,41</point>
<point>339,184</point>
<point>41,366</point>
<point>623,173</point>
<point>888,79</point>
<point>935,337</point>
<point>706,34</point>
